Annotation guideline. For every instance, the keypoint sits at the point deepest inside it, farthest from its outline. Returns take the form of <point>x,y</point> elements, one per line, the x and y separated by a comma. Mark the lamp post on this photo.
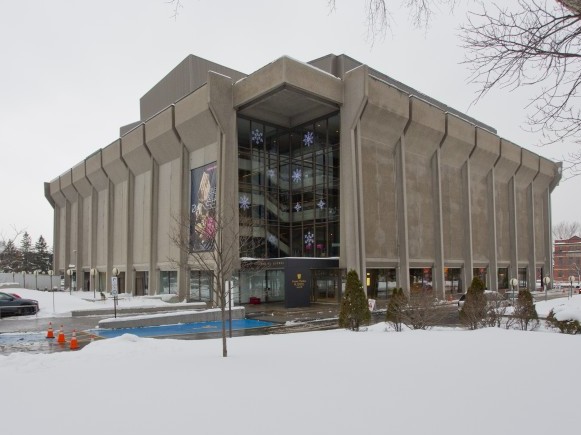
<point>571,279</point>
<point>546,281</point>
<point>70,272</point>
<point>23,279</point>
<point>115,288</point>
<point>514,285</point>
<point>51,273</point>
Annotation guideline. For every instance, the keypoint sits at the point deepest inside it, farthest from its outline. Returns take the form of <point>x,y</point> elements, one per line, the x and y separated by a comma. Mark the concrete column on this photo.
<point>67,246</point>
<point>153,275</point>
<point>513,272</point>
<point>110,242</point>
<point>467,272</point>
<point>95,285</point>
<point>438,272</point>
<point>532,254</point>
<point>403,271</point>
<point>79,246</point>
<point>493,262</point>
<point>548,239</point>
<point>355,99</point>
<point>129,273</point>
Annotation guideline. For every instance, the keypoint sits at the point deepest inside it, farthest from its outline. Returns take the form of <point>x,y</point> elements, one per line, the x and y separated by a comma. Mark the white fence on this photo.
<point>32,281</point>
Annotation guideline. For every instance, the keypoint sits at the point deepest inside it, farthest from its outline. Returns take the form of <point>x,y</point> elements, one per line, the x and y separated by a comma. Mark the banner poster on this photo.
<point>203,223</point>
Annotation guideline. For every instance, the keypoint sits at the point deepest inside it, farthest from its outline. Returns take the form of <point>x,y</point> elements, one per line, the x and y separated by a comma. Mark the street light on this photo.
<point>547,281</point>
<point>115,289</point>
<point>571,279</point>
<point>51,273</point>
<point>70,274</point>
<point>514,285</point>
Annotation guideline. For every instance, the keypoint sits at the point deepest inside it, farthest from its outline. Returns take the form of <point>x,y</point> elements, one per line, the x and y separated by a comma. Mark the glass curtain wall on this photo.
<point>288,183</point>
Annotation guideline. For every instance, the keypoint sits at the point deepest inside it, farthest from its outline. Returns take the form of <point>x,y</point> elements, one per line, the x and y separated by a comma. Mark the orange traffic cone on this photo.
<point>49,333</point>
<point>74,343</point>
<point>61,336</point>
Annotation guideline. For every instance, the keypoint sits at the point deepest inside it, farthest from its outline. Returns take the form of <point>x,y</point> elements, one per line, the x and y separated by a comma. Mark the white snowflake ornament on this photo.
<point>309,139</point>
<point>309,239</point>
<point>244,202</point>
<point>298,207</point>
<point>297,175</point>
<point>257,136</point>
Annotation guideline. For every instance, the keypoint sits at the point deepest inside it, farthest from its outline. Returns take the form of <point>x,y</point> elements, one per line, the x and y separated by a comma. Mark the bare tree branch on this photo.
<point>532,43</point>
<point>176,6</point>
<point>565,230</point>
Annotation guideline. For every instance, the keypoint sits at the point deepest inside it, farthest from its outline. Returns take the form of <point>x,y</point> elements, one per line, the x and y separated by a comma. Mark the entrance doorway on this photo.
<point>141,283</point>
<point>327,285</point>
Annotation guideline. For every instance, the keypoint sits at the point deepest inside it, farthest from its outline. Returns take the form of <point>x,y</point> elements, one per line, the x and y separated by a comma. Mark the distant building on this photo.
<point>567,259</point>
<point>331,165</point>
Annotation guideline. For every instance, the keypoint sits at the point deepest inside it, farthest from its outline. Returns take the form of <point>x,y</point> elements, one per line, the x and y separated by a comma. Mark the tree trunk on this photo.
<point>224,346</point>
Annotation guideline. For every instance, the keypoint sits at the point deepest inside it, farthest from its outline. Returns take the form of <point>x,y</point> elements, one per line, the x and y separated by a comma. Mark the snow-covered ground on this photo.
<point>334,382</point>
<point>65,302</point>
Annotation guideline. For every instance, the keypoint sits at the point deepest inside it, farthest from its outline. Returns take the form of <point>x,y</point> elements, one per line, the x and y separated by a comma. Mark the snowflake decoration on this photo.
<point>309,239</point>
<point>309,138</point>
<point>332,211</point>
<point>194,208</point>
<point>298,207</point>
<point>257,136</point>
<point>321,204</point>
<point>244,202</point>
<point>297,175</point>
<point>272,239</point>
<point>211,199</point>
<point>271,173</point>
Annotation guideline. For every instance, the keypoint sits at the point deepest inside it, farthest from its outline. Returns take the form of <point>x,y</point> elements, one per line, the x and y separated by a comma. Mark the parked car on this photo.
<point>11,305</point>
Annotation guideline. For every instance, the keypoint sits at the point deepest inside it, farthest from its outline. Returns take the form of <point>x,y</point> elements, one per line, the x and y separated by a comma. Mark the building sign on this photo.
<point>203,225</point>
<point>299,282</point>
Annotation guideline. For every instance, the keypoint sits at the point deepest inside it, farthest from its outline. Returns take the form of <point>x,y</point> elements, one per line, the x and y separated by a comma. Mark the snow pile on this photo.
<point>564,308</point>
<point>332,382</point>
<point>65,302</point>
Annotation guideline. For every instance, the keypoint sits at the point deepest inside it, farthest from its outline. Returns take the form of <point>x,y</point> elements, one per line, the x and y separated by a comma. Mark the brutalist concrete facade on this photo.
<point>421,185</point>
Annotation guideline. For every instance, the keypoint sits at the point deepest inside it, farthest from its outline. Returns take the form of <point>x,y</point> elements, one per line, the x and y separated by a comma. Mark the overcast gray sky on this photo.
<point>72,73</point>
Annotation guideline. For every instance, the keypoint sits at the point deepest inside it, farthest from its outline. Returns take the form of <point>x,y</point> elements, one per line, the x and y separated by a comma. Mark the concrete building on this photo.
<point>331,164</point>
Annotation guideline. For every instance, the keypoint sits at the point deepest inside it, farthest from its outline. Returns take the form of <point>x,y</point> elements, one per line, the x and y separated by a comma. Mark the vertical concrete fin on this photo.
<point>493,259</point>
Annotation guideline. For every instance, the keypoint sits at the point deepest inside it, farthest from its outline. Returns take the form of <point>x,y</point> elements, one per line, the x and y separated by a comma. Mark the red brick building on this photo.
<point>567,259</point>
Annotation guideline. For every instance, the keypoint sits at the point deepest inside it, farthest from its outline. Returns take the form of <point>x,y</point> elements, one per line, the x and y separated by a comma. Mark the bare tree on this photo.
<point>423,311</point>
<point>565,230</point>
<point>378,13</point>
<point>211,243</point>
<point>176,6</point>
<point>532,43</point>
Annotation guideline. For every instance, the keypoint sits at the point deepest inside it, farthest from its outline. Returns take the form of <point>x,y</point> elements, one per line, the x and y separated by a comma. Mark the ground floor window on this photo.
<point>168,280</point>
<point>453,280</point>
<point>522,277</point>
<point>482,273</point>
<point>380,283</point>
<point>503,281</point>
<point>421,279</point>
<point>261,286</point>
<point>201,286</point>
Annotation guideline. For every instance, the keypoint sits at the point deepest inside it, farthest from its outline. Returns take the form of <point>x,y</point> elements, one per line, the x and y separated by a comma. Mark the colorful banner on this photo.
<point>203,225</point>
